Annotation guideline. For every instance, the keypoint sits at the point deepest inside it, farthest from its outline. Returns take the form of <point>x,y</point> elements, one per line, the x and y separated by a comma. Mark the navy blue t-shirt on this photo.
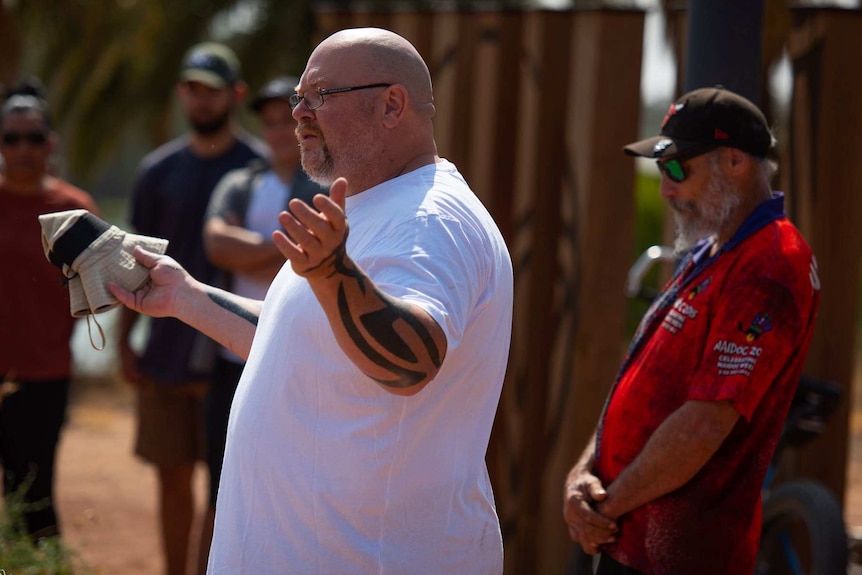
<point>169,200</point>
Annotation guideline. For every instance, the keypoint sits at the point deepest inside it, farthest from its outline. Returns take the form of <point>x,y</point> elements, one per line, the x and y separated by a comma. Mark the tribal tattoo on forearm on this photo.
<point>377,330</point>
<point>233,307</point>
<point>335,260</point>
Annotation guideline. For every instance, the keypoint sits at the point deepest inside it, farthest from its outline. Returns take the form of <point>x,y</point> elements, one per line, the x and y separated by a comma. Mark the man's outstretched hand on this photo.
<point>318,238</point>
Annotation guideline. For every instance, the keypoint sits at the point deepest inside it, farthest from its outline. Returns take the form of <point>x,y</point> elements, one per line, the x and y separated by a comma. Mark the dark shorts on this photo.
<point>225,379</point>
<point>171,423</point>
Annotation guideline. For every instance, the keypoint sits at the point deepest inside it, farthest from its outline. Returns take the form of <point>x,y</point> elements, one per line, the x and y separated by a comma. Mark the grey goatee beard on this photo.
<point>319,165</point>
<point>696,221</point>
<point>321,173</point>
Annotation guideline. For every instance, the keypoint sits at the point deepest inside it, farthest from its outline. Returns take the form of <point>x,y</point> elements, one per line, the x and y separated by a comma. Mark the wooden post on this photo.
<point>10,46</point>
<point>824,182</point>
<point>597,208</point>
<point>550,140</point>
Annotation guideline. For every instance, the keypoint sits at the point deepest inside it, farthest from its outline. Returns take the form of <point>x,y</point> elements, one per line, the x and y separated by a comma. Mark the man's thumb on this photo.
<point>597,492</point>
<point>145,258</point>
<point>338,191</point>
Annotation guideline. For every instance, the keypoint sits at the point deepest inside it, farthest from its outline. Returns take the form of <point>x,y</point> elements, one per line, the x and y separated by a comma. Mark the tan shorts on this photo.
<point>171,428</point>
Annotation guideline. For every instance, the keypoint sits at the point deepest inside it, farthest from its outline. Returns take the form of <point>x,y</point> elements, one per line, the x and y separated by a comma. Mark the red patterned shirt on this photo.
<point>732,327</point>
<point>35,321</point>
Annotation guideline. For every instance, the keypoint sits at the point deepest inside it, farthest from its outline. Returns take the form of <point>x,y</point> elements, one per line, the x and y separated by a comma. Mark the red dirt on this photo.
<point>106,495</point>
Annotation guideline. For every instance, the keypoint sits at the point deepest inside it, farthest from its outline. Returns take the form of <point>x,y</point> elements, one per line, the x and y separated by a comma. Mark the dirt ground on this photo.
<point>107,497</point>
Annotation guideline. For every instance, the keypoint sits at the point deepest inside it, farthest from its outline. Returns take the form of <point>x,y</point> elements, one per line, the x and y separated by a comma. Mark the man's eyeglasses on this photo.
<point>32,138</point>
<point>314,98</point>
<point>672,169</point>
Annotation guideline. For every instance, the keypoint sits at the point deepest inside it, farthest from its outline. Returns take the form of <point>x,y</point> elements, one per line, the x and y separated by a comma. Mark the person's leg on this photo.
<point>217,410</point>
<point>206,539</point>
<point>32,418</point>
<point>176,512</point>
<point>169,418</point>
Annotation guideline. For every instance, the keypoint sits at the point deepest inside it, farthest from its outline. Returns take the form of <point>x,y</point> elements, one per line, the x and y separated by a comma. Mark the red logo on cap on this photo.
<point>720,134</point>
<point>674,108</point>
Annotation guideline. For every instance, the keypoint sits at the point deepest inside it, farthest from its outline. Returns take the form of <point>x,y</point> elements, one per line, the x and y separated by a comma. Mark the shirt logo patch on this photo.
<point>761,324</point>
<point>699,288</point>
<point>735,359</point>
<point>678,315</point>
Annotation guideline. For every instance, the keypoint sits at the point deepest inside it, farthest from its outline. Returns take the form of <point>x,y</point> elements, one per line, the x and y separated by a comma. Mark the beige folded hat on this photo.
<point>91,253</point>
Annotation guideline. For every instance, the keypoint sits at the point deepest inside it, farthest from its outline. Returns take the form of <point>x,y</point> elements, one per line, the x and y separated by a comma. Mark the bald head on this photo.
<point>386,57</point>
<point>378,123</point>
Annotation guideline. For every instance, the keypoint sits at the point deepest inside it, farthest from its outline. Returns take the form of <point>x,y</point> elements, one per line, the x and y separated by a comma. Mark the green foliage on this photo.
<point>649,208</point>
<point>110,66</point>
<point>649,229</point>
<point>114,211</point>
<point>20,556</point>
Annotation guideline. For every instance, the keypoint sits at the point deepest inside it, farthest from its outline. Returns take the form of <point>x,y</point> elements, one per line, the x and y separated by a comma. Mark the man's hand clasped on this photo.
<point>582,497</point>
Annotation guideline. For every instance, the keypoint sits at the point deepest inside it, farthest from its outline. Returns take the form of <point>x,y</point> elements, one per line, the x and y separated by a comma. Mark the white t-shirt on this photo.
<point>327,473</point>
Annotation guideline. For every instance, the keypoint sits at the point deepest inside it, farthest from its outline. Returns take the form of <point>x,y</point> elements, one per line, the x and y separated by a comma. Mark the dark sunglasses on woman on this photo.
<point>32,138</point>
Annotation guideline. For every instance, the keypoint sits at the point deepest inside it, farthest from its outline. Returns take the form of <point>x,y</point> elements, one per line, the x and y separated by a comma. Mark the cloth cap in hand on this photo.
<point>90,252</point>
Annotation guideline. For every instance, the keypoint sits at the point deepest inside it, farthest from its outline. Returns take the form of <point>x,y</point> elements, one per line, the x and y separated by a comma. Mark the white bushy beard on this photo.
<point>707,216</point>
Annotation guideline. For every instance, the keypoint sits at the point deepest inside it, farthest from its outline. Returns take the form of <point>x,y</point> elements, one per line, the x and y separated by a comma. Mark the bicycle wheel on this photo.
<point>803,532</point>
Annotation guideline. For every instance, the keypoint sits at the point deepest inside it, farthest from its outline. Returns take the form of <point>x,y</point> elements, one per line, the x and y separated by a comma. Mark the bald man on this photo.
<point>358,432</point>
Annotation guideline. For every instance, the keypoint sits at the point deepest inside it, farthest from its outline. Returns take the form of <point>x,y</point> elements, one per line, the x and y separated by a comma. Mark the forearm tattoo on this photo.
<point>233,307</point>
<point>335,260</point>
<point>378,331</point>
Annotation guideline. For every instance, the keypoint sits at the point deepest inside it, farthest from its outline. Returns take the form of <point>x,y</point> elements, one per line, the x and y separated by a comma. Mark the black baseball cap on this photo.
<point>280,88</point>
<point>704,119</point>
<point>212,64</point>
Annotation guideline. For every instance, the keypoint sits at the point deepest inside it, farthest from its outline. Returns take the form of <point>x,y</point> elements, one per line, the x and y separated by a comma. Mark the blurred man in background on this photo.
<point>169,199</point>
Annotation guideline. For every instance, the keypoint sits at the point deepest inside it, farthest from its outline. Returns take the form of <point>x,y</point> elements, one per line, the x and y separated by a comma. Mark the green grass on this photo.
<point>20,556</point>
